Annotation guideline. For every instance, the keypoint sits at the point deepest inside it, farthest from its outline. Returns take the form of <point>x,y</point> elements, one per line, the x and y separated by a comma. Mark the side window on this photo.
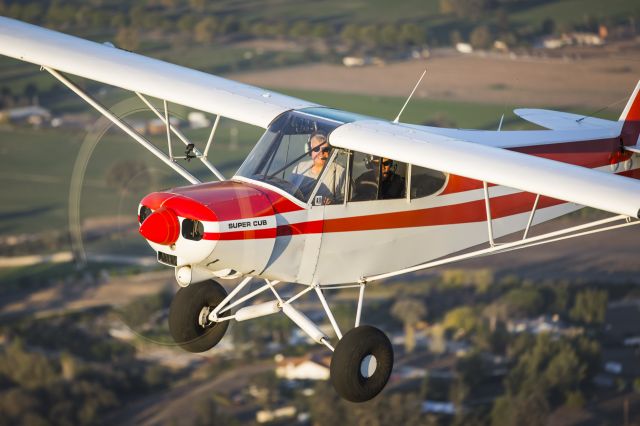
<point>365,171</point>
<point>425,181</point>
<point>375,178</point>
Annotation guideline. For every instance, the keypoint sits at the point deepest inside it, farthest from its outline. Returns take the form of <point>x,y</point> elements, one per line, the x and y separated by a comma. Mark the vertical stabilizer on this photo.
<point>631,118</point>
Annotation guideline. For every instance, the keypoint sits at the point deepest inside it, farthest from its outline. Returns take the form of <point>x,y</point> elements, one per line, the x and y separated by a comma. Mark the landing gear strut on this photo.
<point>188,316</point>
<point>361,363</point>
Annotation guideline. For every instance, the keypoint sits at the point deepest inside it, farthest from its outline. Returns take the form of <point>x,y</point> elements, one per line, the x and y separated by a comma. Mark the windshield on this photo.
<point>291,154</point>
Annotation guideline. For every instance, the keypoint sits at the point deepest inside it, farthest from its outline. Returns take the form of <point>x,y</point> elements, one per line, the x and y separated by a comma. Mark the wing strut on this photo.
<point>200,156</point>
<point>124,126</point>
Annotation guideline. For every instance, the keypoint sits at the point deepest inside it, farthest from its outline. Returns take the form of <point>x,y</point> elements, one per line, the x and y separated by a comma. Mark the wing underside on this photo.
<point>604,191</point>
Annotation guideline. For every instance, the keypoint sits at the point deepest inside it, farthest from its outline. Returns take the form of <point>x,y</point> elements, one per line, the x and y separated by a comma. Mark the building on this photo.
<point>302,368</point>
<point>34,115</point>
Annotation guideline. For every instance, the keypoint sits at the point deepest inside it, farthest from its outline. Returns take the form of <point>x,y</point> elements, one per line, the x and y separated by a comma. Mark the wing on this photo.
<point>141,74</point>
<point>563,181</point>
<point>557,120</point>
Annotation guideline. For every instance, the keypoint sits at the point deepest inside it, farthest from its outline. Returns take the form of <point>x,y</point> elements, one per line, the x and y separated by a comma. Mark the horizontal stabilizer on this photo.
<point>556,120</point>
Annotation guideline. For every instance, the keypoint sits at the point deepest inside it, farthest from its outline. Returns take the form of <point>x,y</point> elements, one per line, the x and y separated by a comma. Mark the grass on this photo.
<point>577,11</point>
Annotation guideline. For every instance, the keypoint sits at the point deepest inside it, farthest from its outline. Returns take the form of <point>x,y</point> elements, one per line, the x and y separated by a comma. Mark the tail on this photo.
<point>630,117</point>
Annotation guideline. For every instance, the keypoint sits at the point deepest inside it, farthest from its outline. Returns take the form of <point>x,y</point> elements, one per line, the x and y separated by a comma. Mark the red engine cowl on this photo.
<point>219,225</point>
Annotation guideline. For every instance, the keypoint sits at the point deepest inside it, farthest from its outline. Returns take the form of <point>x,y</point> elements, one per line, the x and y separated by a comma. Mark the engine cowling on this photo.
<point>220,225</point>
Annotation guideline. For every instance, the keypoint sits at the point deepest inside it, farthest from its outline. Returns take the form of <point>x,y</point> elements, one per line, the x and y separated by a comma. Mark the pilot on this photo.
<point>305,174</point>
<point>392,185</point>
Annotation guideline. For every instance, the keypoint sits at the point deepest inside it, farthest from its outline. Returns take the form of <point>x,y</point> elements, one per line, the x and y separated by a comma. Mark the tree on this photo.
<point>480,37</point>
<point>590,307</point>
<point>300,29</point>
<point>369,35</point>
<point>411,34</point>
<point>349,34</point>
<point>206,29</point>
<point>523,302</point>
<point>409,311</point>
<point>187,23</point>
<point>127,38</point>
<point>525,410</point>
<point>464,318</point>
<point>389,36</point>
<point>320,30</point>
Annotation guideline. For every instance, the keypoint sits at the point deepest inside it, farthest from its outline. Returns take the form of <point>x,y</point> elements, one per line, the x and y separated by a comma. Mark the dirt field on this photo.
<point>589,78</point>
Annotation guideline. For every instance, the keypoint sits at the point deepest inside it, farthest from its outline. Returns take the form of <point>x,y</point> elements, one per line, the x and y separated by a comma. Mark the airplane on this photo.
<point>330,199</point>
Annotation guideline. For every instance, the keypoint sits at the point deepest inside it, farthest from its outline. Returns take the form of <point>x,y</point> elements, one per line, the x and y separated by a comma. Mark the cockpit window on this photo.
<point>292,154</point>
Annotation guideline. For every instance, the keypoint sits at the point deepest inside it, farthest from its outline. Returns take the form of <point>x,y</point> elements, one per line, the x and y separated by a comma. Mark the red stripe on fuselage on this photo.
<point>241,235</point>
<point>469,212</point>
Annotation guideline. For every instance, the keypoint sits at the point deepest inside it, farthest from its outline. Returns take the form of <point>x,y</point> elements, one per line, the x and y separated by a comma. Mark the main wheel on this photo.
<point>188,313</point>
<point>361,363</point>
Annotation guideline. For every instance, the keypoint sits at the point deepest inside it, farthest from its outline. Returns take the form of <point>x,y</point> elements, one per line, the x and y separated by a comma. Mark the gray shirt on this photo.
<point>332,187</point>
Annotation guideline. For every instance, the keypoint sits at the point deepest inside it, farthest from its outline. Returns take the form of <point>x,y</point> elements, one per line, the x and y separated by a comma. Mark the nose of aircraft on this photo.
<point>161,227</point>
<point>229,224</point>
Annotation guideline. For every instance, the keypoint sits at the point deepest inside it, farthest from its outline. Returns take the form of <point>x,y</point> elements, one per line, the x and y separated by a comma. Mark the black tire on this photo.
<point>184,314</point>
<point>348,356</point>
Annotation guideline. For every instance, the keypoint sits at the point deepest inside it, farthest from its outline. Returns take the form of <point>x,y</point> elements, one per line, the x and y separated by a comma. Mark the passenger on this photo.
<point>306,173</point>
<point>392,185</point>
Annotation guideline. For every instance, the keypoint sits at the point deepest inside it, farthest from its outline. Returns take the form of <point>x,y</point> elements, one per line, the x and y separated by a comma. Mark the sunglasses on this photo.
<point>320,148</point>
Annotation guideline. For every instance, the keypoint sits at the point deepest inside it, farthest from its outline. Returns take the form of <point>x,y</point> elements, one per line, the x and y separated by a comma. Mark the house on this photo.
<point>266,416</point>
<point>464,48</point>
<point>34,115</point>
<point>157,126</point>
<point>197,120</point>
<point>543,324</point>
<point>302,368</point>
<point>438,407</point>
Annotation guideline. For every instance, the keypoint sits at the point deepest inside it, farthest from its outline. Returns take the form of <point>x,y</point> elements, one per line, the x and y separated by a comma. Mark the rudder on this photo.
<point>631,119</point>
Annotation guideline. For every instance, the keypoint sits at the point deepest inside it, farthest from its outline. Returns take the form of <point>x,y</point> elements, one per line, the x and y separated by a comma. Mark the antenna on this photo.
<point>501,119</point>
<point>410,95</point>
<point>579,120</point>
